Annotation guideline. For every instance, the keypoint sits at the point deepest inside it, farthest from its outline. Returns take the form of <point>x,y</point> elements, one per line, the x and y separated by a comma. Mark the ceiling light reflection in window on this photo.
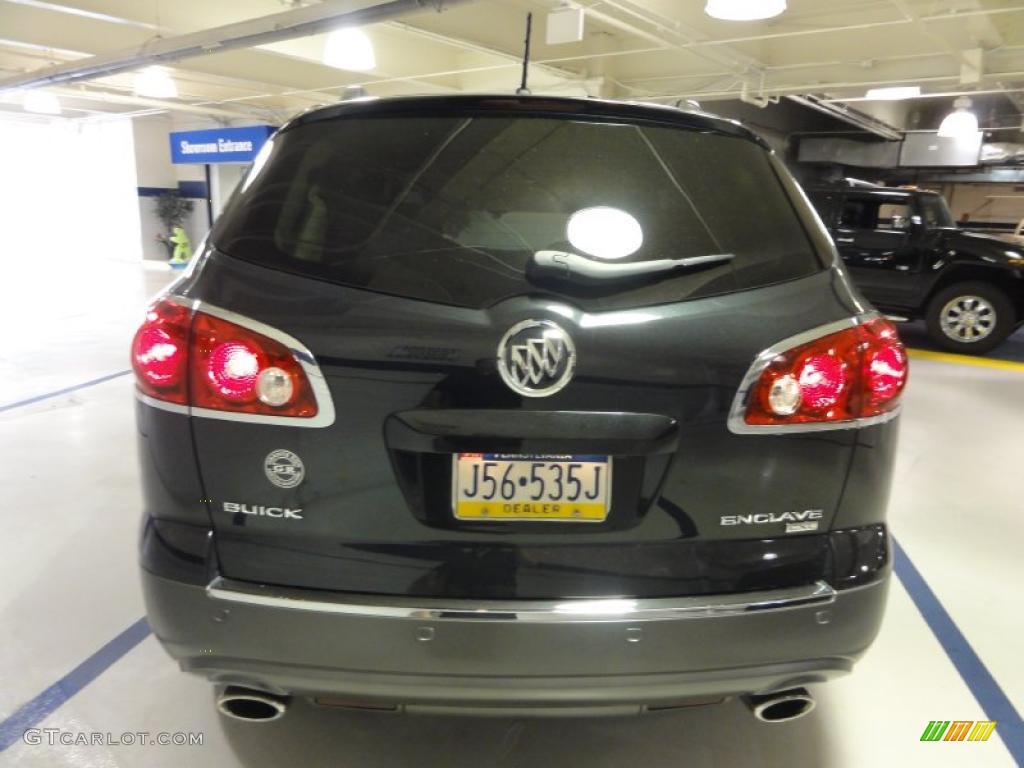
<point>605,232</point>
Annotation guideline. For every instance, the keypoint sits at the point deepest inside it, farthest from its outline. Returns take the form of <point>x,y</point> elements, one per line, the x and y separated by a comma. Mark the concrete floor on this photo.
<point>68,586</point>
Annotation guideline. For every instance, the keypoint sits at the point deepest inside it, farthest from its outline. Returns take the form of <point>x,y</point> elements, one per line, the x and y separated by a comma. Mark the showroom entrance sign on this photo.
<point>219,145</point>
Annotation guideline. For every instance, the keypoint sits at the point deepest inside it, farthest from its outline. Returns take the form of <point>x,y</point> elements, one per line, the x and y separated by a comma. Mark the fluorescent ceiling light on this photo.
<point>155,83</point>
<point>349,48</point>
<point>894,94</point>
<point>40,102</point>
<point>744,10</point>
<point>961,123</point>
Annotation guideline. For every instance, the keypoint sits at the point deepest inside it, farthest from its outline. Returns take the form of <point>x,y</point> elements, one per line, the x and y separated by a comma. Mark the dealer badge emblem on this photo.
<point>283,468</point>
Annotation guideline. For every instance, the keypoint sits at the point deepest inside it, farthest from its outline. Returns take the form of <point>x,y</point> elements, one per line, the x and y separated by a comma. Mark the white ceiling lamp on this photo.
<point>744,10</point>
<point>961,123</point>
<point>349,48</point>
<point>41,103</point>
<point>155,83</point>
<point>895,93</point>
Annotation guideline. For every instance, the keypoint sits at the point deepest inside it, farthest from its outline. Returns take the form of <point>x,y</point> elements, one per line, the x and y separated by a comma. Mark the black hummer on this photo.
<point>907,256</point>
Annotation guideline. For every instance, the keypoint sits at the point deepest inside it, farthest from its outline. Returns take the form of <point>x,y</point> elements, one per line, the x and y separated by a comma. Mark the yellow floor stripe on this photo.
<point>949,357</point>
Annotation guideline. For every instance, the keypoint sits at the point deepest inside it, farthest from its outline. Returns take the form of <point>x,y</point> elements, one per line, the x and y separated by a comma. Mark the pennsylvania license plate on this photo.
<point>501,486</point>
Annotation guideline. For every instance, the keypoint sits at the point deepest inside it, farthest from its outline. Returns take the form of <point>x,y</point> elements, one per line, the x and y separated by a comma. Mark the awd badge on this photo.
<point>283,468</point>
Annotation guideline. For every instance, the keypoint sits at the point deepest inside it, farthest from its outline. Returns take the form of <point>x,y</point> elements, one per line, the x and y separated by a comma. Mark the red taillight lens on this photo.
<point>208,362</point>
<point>851,374</point>
<point>236,369</point>
<point>822,380</point>
<point>885,368</point>
<point>232,369</point>
<point>160,352</point>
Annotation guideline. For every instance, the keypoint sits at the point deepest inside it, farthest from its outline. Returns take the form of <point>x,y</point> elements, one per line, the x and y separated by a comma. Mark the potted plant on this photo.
<point>172,209</point>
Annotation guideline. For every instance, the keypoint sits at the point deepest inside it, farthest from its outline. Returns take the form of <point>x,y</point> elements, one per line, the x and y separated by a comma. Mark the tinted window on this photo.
<point>893,216</point>
<point>453,209</point>
<point>876,213</point>
<point>934,212</point>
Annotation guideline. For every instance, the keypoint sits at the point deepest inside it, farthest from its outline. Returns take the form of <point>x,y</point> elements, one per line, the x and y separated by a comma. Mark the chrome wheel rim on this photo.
<point>968,319</point>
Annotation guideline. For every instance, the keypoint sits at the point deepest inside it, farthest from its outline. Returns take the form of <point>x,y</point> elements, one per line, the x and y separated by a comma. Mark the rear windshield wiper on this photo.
<point>568,264</point>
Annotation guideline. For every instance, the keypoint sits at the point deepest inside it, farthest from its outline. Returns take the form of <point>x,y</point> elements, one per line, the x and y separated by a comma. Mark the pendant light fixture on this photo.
<point>744,10</point>
<point>961,123</point>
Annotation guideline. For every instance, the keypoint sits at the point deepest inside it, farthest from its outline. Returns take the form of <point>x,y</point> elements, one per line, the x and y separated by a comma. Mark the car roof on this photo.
<point>526,106</point>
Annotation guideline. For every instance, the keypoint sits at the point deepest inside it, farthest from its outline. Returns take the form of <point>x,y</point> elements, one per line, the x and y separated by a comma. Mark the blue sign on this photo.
<point>219,145</point>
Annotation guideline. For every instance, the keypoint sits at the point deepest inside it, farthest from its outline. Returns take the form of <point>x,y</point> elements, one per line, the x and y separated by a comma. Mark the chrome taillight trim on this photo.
<point>163,405</point>
<point>303,356</point>
<point>737,413</point>
<point>529,611</point>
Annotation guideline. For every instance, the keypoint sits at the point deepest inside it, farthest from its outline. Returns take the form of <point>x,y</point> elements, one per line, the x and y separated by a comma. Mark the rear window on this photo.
<point>454,209</point>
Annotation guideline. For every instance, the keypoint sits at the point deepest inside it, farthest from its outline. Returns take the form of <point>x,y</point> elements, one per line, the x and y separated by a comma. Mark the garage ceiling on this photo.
<point>657,50</point>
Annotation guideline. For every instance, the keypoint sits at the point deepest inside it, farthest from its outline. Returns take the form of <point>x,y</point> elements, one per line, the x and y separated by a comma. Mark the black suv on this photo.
<point>524,403</point>
<point>907,256</point>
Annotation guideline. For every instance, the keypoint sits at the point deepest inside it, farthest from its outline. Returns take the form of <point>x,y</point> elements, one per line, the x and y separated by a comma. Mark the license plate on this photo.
<point>501,486</point>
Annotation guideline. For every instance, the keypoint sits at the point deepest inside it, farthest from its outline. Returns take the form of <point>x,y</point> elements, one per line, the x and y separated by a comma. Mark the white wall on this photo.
<point>154,169</point>
<point>224,178</point>
<point>986,203</point>
<point>68,190</point>
<point>153,166</point>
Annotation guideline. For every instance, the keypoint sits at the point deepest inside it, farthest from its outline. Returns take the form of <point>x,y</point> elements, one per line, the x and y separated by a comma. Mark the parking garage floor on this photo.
<point>77,656</point>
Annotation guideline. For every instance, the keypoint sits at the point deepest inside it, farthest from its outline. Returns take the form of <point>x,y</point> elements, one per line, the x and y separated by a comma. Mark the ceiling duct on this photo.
<point>858,154</point>
<point>848,115</point>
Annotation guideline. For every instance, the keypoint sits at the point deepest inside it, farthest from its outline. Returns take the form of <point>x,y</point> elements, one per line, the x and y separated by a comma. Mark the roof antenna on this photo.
<point>522,90</point>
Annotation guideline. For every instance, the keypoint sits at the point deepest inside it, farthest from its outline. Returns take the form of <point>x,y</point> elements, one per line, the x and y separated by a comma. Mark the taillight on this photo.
<point>160,352</point>
<point>234,368</point>
<point>838,379</point>
<point>207,361</point>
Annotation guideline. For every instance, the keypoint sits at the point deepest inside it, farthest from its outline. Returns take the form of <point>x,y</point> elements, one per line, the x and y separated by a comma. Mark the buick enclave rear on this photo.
<point>491,403</point>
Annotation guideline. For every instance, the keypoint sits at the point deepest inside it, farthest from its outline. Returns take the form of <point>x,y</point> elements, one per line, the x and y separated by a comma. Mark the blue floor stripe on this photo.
<point>64,391</point>
<point>43,705</point>
<point>986,690</point>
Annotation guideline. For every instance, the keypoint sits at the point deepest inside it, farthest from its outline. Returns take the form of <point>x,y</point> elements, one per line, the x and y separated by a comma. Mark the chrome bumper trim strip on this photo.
<point>537,611</point>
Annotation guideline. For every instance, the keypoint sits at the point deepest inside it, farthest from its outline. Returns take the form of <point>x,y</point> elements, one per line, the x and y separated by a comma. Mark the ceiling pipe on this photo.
<point>670,36</point>
<point>727,41</point>
<point>141,101</point>
<point>298,22</point>
<point>784,90</point>
<point>1008,91</point>
<point>666,46</point>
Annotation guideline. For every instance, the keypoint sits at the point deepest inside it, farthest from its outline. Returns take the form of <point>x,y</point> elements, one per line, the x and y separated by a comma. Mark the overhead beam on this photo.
<point>298,22</point>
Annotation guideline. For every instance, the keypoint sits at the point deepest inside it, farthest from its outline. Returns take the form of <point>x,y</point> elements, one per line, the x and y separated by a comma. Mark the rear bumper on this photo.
<point>464,656</point>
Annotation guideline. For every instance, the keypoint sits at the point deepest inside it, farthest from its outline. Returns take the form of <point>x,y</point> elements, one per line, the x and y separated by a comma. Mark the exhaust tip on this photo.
<point>250,705</point>
<point>782,706</point>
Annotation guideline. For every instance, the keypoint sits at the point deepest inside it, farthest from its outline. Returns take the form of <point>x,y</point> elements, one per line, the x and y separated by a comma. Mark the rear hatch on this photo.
<point>403,242</point>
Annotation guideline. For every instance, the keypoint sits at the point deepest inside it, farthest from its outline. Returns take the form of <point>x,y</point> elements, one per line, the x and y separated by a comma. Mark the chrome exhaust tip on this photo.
<point>780,706</point>
<point>251,705</point>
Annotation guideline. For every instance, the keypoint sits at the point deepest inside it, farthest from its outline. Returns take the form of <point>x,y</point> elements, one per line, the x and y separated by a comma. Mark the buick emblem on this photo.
<point>536,358</point>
